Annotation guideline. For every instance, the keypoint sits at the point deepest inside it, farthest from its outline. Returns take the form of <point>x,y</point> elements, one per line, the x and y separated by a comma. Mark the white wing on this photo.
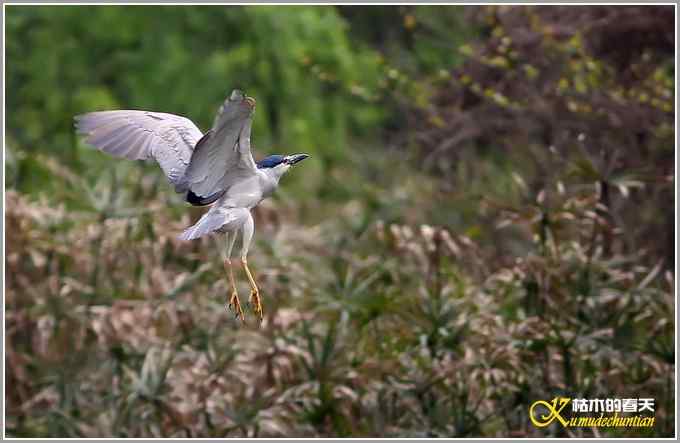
<point>223,156</point>
<point>142,135</point>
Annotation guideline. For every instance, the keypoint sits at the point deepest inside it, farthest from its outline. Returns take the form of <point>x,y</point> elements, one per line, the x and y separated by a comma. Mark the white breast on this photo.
<point>251,191</point>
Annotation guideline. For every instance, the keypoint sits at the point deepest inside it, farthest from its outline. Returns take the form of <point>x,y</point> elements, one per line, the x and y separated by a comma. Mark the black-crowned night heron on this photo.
<point>213,168</point>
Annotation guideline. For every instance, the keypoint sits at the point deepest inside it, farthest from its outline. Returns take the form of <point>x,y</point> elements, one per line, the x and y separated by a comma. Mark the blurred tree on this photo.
<point>313,86</point>
<point>566,93</point>
<point>417,39</point>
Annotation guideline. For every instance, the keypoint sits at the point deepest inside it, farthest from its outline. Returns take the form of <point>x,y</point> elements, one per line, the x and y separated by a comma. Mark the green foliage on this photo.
<point>311,82</point>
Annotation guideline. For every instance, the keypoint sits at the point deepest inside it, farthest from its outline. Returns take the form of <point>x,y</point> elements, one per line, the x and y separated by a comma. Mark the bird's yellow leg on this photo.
<point>234,303</point>
<point>254,301</point>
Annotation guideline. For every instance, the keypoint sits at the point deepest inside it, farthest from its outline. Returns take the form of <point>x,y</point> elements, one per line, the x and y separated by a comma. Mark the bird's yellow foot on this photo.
<point>256,304</point>
<point>235,306</point>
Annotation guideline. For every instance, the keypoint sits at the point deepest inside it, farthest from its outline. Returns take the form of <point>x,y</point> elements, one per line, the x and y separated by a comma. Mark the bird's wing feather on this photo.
<point>143,135</point>
<point>223,157</point>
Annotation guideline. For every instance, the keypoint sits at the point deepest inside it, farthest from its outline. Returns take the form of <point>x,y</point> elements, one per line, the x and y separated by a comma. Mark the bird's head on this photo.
<point>280,164</point>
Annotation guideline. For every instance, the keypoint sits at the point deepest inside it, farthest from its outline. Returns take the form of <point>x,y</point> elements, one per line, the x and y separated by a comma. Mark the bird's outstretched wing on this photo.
<point>223,156</point>
<point>142,135</point>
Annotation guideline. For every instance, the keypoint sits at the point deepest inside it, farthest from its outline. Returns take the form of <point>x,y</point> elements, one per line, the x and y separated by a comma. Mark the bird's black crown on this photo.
<point>271,161</point>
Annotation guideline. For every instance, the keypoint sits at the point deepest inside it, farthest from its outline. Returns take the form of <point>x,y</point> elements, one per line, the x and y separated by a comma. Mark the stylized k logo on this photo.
<point>554,408</point>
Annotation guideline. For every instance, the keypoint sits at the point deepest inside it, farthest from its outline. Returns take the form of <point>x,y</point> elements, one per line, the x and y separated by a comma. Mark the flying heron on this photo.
<point>215,168</point>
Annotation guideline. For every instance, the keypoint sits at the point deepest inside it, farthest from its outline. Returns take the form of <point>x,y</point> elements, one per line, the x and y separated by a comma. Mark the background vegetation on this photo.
<point>487,220</point>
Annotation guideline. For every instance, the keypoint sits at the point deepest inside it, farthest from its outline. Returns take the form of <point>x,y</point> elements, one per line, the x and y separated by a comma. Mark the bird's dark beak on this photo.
<point>295,158</point>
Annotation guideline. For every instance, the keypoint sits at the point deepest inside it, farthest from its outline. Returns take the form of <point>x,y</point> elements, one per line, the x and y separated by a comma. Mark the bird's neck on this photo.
<point>274,174</point>
<point>269,180</point>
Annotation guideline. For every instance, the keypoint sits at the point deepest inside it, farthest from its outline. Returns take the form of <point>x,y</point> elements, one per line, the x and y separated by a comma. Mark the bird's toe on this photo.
<point>234,306</point>
<point>256,304</point>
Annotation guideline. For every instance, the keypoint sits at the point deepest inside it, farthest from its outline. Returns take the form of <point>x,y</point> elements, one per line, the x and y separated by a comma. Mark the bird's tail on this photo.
<point>214,220</point>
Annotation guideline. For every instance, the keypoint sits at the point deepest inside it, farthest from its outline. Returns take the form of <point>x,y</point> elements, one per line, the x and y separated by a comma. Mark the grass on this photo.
<point>378,324</point>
